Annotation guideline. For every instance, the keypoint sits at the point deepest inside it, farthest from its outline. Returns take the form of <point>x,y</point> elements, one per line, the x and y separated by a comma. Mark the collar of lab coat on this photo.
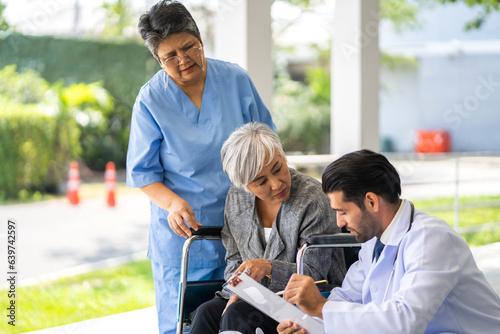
<point>399,229</point>
<point>381,269</point>
<point>401,225</point>
<point>384,238</point>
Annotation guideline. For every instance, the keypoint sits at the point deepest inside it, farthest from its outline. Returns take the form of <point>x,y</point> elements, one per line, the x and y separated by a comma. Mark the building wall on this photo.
<point>456,86</point>
<point>457,93</point>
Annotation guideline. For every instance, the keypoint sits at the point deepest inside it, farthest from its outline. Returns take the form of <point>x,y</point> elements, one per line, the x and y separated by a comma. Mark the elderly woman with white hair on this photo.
<point>270,211</point>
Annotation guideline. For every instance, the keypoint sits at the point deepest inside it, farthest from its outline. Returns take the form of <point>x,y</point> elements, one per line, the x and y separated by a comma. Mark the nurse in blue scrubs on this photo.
<point>180,120</point>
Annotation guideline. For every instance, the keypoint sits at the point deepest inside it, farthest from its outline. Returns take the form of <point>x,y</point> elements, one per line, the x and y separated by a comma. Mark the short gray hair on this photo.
<point>164,19</point>
<point>247,150</point>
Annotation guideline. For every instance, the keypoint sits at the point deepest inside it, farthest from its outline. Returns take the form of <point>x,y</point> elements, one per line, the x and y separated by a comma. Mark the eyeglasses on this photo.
<point>176,60</point>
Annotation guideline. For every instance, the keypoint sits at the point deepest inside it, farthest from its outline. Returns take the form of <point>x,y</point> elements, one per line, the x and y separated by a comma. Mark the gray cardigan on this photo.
<point>307,211</point>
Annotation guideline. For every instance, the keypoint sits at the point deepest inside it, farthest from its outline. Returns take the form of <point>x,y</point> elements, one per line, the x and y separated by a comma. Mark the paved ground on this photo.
<point>488,260</point>
<point>142,321</point>
<point>57,238</point>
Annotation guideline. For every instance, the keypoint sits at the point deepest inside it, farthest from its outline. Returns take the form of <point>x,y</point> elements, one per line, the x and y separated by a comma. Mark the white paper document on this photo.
<point>269,303</point>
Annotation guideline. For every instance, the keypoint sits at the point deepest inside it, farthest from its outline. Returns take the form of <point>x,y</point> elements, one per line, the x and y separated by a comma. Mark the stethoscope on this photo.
<point>412,215</point>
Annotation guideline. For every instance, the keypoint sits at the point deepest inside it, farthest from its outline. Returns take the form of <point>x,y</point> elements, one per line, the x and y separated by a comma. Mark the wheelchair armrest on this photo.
<point>331,239</point>
<point>346,241</point>
<point>208,231</point>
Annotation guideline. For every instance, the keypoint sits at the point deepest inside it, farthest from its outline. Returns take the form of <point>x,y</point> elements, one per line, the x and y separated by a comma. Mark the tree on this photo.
<point>487,6</point>
<point>121,21</point>
<point>3,23</point>
<point>402,14</point>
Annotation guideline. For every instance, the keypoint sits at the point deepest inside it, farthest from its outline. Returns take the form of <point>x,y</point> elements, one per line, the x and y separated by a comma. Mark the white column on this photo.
<point>355,77</point>
<point>243,35</point>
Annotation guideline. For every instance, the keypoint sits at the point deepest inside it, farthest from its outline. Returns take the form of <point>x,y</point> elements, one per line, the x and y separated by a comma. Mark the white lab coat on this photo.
<point>425,281</point>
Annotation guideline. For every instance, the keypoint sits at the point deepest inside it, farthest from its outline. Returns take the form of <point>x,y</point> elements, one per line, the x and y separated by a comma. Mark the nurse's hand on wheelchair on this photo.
<point>180,214</point>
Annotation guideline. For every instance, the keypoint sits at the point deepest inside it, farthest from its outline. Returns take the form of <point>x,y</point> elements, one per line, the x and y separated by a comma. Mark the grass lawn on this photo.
<point>474,210</point>
<point>95,294</point>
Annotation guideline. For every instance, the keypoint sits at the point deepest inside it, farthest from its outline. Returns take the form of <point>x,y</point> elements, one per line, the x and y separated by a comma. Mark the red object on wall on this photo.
<point>432,141</point>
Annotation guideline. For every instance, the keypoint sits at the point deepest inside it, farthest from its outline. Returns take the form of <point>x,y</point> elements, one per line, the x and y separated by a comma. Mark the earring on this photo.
<point>165,80</point>
<point>203,63</point>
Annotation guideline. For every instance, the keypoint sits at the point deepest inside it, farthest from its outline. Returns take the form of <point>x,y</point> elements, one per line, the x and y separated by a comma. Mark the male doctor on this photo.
<point>415,274</point>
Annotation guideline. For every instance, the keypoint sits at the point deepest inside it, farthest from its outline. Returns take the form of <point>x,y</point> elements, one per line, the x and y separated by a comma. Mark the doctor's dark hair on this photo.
<point>164,19</point>
<point>247,150</point>
<point>360,172</point>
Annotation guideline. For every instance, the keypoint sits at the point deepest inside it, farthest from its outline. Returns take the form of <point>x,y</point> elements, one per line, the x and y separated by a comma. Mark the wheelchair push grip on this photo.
<point>208,230</point>
<point>326,239</point>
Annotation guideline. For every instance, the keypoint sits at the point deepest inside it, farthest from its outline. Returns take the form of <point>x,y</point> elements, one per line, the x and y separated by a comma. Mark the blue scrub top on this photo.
<point>173,142</point>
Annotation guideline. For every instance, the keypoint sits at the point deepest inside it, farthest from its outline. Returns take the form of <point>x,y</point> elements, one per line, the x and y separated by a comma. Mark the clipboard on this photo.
<point>271,304</point>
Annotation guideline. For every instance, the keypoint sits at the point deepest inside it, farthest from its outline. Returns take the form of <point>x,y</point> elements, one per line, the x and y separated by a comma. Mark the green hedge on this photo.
<point>122,68</point>
<point>35,148</point>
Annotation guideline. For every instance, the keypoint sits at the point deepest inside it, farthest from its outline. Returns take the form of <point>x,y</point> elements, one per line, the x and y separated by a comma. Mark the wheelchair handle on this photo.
<point>208,231</point>
<point>329,239</point>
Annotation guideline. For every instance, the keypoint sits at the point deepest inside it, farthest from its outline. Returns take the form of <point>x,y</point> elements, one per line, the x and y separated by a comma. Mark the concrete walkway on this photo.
<point>488,260</point>
<point>55,238</point>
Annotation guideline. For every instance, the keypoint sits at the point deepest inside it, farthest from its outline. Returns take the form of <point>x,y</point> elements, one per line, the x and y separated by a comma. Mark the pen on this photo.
<point>323,281</point>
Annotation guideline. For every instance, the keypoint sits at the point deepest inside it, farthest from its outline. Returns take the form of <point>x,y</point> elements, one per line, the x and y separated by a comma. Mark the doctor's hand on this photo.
<point>180,214</point>
<point>302,291</point>
<point>287,327</point>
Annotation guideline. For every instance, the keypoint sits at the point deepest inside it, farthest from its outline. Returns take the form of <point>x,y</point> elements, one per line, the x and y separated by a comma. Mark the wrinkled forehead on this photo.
<point>174,42</point>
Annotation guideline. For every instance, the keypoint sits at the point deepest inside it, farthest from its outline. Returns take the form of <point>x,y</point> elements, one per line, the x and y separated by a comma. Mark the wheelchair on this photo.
<point>193,294</point>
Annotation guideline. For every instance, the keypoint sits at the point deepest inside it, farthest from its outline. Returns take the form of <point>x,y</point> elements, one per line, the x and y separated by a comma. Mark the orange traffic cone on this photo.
<point>110,181</point>
<point>73,183</point>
